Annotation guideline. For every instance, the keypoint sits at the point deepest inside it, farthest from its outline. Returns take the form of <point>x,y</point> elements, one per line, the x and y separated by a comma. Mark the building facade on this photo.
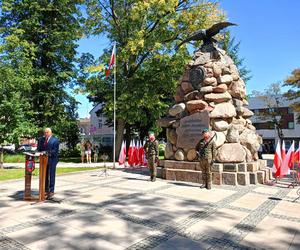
<point>100,132</point>
<point>265,127</point>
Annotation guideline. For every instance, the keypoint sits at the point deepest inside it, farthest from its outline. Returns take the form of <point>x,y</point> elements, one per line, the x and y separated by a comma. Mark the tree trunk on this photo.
<point>119,136</point>
<point>1,159</point>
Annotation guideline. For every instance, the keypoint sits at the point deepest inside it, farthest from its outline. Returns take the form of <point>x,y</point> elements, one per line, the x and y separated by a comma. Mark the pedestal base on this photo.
<point>222,174</point>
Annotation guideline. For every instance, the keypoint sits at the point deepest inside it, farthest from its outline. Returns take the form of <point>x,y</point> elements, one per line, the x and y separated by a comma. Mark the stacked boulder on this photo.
<point>211,84</point>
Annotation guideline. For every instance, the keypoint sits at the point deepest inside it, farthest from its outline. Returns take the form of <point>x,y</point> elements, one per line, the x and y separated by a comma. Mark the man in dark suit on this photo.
<point>50,145</point>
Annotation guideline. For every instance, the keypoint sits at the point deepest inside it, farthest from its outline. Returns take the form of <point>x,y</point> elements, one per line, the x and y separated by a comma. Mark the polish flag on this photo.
<point>136,154</point>
<point>145,162</point>
<point>297,161</point>
<point>288,160</point>
<point>130,153</point>
<point>283,151</point>
<point>141,154</point>
<point>297,156</point>
<point>122,156</point>
<point>277,161</point>
<point>111,62</point>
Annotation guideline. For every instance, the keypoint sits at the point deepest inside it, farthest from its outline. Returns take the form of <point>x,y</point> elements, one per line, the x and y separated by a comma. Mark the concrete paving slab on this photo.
<point>125,211</point>
<point>195,192</point>
<point>180,243</point>
<point>108,227</point>
<point>288,208</point>
<point>250,201</point>
<point>272,233</point>
<point>218,224</point>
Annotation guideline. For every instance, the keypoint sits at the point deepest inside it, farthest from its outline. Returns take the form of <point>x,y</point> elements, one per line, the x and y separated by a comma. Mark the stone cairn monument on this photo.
<point>211,94</point>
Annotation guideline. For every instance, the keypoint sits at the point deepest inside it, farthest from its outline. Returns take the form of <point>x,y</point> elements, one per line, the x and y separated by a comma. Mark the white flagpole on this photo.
<point>115,79</point>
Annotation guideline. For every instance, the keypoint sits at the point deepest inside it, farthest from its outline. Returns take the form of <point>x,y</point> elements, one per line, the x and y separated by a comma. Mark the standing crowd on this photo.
<point>86,150</point>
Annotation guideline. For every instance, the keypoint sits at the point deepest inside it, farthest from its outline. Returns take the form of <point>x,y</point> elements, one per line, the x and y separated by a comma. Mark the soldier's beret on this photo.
<point>150,133</point>
<point>205,130</point>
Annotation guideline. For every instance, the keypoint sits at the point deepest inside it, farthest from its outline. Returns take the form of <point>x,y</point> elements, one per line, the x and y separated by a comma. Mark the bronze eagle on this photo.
<point>206,35</point>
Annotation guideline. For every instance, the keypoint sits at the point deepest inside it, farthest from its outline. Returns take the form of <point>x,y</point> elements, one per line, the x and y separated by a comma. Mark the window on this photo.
<point>271,110</point>
<point>100,124</point>
<point>291,125</point>
<point>290,111</point>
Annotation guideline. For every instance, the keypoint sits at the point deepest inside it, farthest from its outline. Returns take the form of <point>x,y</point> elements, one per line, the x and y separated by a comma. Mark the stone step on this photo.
<point>183,175</point>
<point>168,164</point>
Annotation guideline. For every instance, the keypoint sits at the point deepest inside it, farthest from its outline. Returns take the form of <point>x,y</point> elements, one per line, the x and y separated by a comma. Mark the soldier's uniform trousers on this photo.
<point>152,165</point>
<point>205,166</point>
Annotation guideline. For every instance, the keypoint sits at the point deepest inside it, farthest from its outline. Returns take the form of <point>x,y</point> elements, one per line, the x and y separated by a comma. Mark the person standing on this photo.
<point>96,153</point>
<point>151,152</point>
<point>88,152</point>
<point>206,149</point>
<point>49,144</point>
<point>82,151</point>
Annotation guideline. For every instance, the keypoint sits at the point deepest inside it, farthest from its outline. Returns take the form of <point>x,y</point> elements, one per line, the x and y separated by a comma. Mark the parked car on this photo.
<point>25,147</point>
<point>10,148</point>
<point>34,147</point>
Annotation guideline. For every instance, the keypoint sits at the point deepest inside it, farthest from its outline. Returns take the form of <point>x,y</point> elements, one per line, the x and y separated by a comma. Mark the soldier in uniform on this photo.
<point>151,151</point>
<point>207,149</point>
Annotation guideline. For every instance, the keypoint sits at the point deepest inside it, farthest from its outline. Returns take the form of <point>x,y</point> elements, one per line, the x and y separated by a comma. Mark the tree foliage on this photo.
<point>15,76</point>
<point>50,30</point>
<point>293,81</point>
<point>146,33</point>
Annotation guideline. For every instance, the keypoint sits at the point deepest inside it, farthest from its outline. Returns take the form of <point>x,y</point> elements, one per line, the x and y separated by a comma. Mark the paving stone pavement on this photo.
<point>126,211</point>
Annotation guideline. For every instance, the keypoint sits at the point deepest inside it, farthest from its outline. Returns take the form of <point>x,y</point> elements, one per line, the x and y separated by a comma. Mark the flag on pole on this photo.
<point>283,151</point>
<point>277,161</point>
<point>111,62</point>
<point>135,154</point>
<point>145,162</point>
<point>122,155</point>
<point>141,154</point>
<point>297,161</point>
<point>287,162</point>
<point>130,153</point>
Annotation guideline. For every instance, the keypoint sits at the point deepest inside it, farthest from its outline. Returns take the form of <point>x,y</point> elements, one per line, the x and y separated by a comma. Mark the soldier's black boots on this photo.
<point>206,185</point>
<point>153,178</point>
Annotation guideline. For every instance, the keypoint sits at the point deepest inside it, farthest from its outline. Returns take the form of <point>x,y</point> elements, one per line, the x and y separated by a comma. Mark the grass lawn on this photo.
<point>10,174</point>
<point>13,158</point>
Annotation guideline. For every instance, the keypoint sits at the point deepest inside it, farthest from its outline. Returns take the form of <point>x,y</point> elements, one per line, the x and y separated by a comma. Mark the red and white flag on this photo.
<point>136,154</point>
<point>111,62</point>
<point>297,156</point>
<point>145,162</point>
<point>277,161</point>
<point>130,153</point>
<point>288,160</point>
<point>283,151</point>
<point>141,154</point>
<point>122,156</point>
<point>297,161</point>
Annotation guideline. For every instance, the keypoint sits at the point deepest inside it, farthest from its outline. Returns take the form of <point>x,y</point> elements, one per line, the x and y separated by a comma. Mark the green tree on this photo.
<point>293,81</point>
<point>51,28</point>
<point>15,75</point>
<point>232,47</point>
<point>146,33</point>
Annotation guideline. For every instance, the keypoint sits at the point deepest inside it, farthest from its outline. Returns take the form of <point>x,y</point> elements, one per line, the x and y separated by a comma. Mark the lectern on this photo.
<point>29,168</point>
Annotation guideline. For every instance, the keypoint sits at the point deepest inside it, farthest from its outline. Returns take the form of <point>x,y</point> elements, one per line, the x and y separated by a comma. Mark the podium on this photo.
<point>29,168</point>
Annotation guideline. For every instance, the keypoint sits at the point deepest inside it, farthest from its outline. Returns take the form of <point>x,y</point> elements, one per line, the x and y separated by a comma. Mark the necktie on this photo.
<point>46,142</point>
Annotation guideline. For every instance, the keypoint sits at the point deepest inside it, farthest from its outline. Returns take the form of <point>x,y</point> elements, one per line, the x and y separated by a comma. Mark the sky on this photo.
<point>269,32</point>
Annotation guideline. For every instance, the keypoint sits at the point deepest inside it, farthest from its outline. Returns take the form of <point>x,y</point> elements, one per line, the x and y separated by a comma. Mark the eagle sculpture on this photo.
<point>206,35</point>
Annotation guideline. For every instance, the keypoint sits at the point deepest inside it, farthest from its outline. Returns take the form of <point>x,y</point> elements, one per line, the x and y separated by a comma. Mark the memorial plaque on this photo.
<point>190,130</point>
<point>197,76</point>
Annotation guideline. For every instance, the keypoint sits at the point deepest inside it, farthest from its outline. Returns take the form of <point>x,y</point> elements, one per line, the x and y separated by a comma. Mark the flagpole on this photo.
<point>115,81</point>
